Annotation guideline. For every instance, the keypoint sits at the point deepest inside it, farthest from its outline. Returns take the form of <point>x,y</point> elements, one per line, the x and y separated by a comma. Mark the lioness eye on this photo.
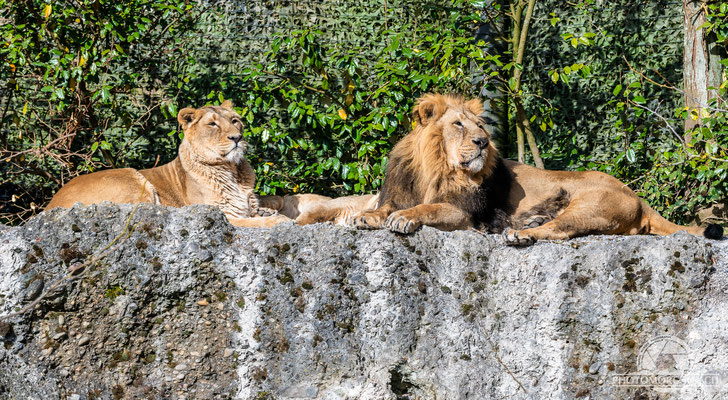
<point>458,124</point>
<point>212,123</point>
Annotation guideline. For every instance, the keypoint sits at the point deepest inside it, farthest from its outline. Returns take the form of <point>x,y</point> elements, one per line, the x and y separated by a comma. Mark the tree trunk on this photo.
<point>523,122</point>
<point>523,127</point>
<point>701,68</point>
<point>495,105</point>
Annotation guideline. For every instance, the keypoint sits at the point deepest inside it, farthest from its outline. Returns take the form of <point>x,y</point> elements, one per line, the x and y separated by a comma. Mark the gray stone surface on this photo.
<point>187,306</point>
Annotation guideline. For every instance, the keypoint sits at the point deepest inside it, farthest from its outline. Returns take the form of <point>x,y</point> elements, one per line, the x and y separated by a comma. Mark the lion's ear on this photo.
<point>186,117</point>
<point>227,104</point>
<point>475,106</point>
<point>429,108</point>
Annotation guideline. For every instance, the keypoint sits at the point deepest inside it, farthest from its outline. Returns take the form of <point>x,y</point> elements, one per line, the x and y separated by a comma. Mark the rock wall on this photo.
<point>117,302</point>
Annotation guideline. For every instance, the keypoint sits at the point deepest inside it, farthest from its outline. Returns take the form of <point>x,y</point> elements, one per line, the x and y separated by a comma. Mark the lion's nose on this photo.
<point>236,138</point>
<point>481,142</point>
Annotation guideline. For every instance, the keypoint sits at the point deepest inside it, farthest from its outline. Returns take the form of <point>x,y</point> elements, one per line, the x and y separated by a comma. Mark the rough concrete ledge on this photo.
<point>186,306</point>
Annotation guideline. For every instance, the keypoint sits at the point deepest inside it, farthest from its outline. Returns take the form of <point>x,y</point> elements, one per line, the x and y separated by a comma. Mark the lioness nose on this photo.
<point>236,138</point>
<point>481,142</point>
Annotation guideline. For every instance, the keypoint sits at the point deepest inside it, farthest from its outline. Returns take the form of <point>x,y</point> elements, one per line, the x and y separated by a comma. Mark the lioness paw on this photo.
<point>513,238</point>
<point>400,222</point>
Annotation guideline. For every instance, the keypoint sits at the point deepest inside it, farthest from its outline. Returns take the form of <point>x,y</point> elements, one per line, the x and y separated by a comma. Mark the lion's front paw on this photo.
<point>513,238</point>
<point>400,222</point>
<point>535,221</point>
<point>265,212</point>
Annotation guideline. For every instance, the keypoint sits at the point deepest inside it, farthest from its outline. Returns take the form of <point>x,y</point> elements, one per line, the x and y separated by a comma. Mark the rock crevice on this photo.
<point>183,305</point>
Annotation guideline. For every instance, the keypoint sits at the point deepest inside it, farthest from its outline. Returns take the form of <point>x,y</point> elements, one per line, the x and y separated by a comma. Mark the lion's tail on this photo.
<point>657,225</point>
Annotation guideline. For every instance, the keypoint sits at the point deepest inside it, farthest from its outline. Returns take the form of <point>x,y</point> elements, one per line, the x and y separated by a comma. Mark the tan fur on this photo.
<point>428,183</point>
<point>210,169</point>
<point>428,146</point>
<point>312,208</point>
<point>427,167</point>
<point>599,204</point>
<point>340,211</point>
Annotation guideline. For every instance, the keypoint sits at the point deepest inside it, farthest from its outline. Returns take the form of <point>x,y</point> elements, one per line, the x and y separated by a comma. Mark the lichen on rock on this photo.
<point>183,305</point>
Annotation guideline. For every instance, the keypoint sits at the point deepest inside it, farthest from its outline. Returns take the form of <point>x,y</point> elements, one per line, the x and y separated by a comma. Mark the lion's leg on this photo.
<point>259,222</point>
<point>292,206</point>
<point>595,212</point>
<point>319,213</point>
<point>443,216</point>
<point>340,211</point>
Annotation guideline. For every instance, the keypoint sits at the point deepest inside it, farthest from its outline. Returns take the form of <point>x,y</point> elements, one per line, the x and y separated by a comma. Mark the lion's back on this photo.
<point>122,185</point>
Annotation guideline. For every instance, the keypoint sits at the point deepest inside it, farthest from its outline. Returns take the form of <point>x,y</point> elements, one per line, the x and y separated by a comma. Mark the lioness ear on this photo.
<point>475,105</point>
<point>227,104</point>
<point>429,108</point>
<point>186,117</point>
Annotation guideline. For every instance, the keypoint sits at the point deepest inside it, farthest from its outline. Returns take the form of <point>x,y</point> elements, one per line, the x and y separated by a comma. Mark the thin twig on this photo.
<point>644,76</point>
<point>667,123</point>
<point>495,353</point>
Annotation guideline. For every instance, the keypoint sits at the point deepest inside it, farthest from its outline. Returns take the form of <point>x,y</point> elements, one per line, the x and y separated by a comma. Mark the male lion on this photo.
<point>210,168</point>
<point>447,173</point>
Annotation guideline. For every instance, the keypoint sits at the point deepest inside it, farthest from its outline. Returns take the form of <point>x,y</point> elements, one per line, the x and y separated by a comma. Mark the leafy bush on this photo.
<point>343,111</point>
<point>91,87</point>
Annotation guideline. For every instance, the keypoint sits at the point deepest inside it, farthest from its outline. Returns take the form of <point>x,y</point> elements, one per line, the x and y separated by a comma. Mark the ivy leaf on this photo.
<point>630,156</point>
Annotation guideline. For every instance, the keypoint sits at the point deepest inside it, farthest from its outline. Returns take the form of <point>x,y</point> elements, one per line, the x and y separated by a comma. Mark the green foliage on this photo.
<point>683,173</point>
<point>85,82</point>
<point>604,92</point>
<point>326,88</point>
<point>343,112</point>
<point>576,109</point>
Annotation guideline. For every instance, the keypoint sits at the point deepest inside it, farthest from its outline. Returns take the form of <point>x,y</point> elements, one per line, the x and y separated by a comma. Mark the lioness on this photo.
<point>210,168</point>
<point>447,173</point>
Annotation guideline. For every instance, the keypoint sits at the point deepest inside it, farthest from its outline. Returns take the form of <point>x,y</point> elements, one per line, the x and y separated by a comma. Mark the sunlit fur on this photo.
<point>434,151</point>
<point>209,154</point>
<point>210,169</point>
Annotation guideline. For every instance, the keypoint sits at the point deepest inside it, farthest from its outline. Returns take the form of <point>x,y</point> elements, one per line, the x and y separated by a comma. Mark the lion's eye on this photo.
<point>237,122</point>
<point>458,124</point>
<point>212,123</point>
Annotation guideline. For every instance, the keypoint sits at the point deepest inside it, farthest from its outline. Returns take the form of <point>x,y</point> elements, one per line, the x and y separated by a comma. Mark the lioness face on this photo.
<point>466,141</point>
<point>214,133</point>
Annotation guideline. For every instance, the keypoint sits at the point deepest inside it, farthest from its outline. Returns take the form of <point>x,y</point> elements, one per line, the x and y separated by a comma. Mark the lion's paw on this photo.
<point>513,238</point>
<point>398,221</point>
<point>535,221</point>
<point>365,222</point>
<point>264,212</point>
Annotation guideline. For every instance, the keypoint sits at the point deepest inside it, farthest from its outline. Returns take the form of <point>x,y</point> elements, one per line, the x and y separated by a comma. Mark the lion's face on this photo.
<point>456,124</point>
<point>465,140</point>
<point>214,133</point>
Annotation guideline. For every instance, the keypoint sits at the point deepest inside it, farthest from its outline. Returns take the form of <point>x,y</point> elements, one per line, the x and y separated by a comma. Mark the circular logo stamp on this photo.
<point>662,363</point>
<point>665,355</point>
